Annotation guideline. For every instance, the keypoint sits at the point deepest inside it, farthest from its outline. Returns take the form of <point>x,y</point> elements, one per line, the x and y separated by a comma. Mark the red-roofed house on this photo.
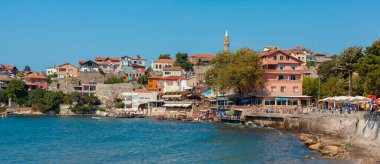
<point>159,64</point>
<point>66,70</point>
<point>200,58</point>
<point>4,80</point>
<point>8,70</point>
<point>109,65</point>
<point>155,83</point>
<point>36,80</point>
<point>172,71</point>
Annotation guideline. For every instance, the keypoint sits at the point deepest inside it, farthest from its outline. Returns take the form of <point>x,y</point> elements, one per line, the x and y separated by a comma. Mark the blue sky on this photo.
<point>44,33</point>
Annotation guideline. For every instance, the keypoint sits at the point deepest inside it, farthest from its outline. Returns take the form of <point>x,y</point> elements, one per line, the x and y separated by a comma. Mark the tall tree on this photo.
<point>348,58</point>
<point>334,86</point>
<point>17,92</point>
<point>181,60</point>
<point>327,69</point>
<point>164,56</point>
<point>240,72</point>
<point>310,86</point>
<point>368,68</point>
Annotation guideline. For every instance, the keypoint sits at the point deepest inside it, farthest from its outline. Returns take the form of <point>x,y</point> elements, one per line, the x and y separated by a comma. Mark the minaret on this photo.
<point>226,43</point>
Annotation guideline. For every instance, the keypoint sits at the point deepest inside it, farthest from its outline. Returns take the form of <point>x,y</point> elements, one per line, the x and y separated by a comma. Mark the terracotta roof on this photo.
<point>6,78</point>
<point>164,61</point>
<point>34,75</point>
<point>174,68</point>
<point>113,59</point>
<point>142,91</point>
<point>66,64</point>
<point>286,52</point>
<point>202,56</point>
<point>172,78</point>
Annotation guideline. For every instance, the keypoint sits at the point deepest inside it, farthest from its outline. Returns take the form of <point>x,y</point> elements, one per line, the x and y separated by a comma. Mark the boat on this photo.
<point>96,118</point>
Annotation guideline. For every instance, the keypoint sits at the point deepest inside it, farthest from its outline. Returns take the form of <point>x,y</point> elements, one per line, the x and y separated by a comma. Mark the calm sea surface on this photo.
<point>88,140</point>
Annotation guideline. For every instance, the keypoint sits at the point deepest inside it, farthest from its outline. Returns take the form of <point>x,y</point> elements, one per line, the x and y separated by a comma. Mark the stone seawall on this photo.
<point>108,92</point>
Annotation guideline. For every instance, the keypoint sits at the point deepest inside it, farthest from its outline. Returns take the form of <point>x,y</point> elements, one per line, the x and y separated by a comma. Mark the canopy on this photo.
<point>345,99</point>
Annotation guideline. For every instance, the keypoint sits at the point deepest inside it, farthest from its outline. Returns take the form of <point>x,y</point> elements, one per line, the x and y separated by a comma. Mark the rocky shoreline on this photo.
<point>331,147</point>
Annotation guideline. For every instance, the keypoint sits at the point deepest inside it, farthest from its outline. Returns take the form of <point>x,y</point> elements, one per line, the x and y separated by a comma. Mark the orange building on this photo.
<point>154,83</point>
<point>67,70</point>
<point>36,80</point>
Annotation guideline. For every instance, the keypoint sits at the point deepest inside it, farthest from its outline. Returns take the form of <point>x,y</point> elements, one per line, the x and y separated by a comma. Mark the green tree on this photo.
<point>17,92</point>
<point>3,97</point>
<point>164,56</point>
<point>327,69</point>
<point>310,64</point>
<point>334,86</point>
<point>52,101</point>
<point>35,97</point>
<point>310,86</point>
<point>368,68</point>
<point>348,58</point>
<point>143,80</point>
<point>240,72</point>
<point>183,62</point>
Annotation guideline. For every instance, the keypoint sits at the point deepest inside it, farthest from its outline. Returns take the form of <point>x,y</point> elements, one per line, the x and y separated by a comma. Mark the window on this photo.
<point>281,66</point>
<point>293,77</point>
<point>273,89</point>
<point>167,73</point>
<point>295,89</point>
<point>274,57</point>
<point>292,102</point>
<point>287,57</point>
<point>135,62</point>
<point>283,89</point>
<point>263,89</point>
<point>281,102</point>
<point>294,67</point>
<point>62,69</point>
<point>281,58</point>
<point>70,70</point>
<point>140,62</point>
<point>281,77</point>
<point>269,102</point>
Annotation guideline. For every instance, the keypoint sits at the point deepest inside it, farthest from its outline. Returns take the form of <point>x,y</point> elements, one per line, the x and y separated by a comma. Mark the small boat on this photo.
<point>96,118</point>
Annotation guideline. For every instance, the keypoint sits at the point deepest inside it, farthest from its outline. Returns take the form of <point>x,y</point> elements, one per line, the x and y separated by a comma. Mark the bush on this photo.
<point>114,80</point>
<point>2,109</point>
<point>86,109</point>
<point>39,107</point>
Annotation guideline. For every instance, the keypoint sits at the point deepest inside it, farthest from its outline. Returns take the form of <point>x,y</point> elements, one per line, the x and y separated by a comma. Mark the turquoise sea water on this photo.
<point>109,140</point>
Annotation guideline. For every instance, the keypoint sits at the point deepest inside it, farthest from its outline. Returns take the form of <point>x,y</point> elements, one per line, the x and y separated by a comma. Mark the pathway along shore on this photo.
<point>334,135</point>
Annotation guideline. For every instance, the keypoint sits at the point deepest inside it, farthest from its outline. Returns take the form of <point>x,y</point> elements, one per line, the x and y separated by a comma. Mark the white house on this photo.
<point>175,83</point>
<point>159,64</point>
<point>51,71</point>
<point>138,99</point>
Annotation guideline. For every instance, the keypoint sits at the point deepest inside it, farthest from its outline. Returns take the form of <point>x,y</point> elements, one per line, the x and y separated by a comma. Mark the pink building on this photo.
<point>283,75</point>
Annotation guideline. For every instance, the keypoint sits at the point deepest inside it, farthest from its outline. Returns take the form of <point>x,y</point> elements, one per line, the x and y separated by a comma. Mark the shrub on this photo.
<point>114,80</point>
<point>39,107</point>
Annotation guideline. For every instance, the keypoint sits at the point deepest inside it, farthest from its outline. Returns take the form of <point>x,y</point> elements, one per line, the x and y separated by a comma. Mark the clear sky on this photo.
<point>44,33</point>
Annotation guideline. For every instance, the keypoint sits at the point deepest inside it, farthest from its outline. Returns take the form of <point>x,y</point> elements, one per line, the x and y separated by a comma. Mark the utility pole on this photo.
<point>350,82</point>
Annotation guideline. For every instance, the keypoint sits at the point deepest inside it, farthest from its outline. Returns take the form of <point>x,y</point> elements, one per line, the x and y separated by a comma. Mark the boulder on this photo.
<point>304,137</point>
<point>330,150</point>
<point>310,141</point>
<point>315,147</point>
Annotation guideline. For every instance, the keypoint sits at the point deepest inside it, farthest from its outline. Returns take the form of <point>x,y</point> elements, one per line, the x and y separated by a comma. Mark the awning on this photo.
<point>169,96</point>
<point>185,105</point>
<point>177,105</point>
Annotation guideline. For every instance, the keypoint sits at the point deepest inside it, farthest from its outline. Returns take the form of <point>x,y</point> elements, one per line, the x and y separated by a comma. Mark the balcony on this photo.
<point>283,71</point>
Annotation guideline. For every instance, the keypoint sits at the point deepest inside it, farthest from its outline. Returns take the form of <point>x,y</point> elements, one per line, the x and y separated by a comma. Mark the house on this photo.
<point>66,70</point>
<point>138,100</point>
<point>172,71</point>
<point>200,59</point>
<point>159,64</point>
<point>4,80</point>
<point>175,83</point>
<point>88,66</point>
<point>36,80</point>
<point>51,71</point>
<point>133,68</point>
<point>283,80</point>
<point>8,70</point>
<point>87,87</point>
<point>155,83</point>
<point>109,65</point>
